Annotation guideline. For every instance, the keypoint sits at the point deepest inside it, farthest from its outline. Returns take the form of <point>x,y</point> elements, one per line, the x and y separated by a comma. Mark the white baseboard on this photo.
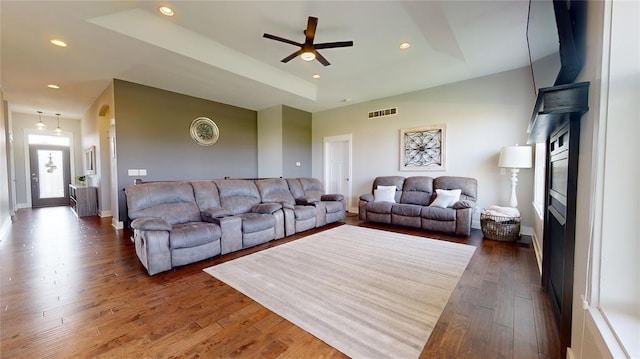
<point>570,354</point>
<point>105,214</point>
<point>4,229</point>
<point>537,250</point>
<point>526,230</point>
<point>353,210</point>
<point>23,205</point>
<point>117,224</point>
<point>475,224</point>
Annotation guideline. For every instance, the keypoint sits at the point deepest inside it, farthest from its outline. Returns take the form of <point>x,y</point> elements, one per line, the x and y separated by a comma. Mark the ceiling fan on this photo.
<point>308,50</point>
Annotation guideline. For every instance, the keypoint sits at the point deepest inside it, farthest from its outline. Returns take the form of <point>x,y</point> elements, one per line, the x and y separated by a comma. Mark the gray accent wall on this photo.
<point>296,142</point>
<point>270,142</point>
<point>152,133</point>
<point>284,140</point>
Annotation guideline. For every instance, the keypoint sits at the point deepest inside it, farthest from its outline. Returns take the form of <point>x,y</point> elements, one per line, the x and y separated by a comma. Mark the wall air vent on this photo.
<point>383,113</point>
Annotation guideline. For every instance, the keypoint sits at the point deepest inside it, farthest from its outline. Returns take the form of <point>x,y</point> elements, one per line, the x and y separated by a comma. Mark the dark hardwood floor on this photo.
<point>74,288</point>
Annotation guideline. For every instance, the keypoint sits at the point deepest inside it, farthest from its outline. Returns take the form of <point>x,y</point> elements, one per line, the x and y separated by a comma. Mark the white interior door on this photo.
<point>337,166</point>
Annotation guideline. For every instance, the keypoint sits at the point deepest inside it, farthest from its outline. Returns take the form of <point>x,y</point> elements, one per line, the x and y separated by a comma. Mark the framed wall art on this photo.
<point>422,148</point>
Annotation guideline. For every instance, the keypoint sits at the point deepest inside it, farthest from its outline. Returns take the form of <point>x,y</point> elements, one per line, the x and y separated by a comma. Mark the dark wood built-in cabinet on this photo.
<point>556,121</point>
<point>83,200</point>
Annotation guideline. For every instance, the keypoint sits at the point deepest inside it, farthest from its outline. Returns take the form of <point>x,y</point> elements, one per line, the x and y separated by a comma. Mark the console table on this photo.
<point>83,200</point>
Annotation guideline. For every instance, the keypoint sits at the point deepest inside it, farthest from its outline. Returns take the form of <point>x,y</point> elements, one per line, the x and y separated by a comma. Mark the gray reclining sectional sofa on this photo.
<point>177,223</point>
<point>411,205</point>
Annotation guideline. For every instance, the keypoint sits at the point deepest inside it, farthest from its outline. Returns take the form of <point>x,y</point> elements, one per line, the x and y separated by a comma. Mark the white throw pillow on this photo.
<point>446,198</point>
<point>385,194</point>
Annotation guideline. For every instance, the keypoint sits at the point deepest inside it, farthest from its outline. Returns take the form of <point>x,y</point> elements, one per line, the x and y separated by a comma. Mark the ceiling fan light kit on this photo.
<point>308,50</point>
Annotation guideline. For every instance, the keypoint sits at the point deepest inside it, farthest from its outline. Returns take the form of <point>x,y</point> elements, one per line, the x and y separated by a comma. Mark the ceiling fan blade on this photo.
<point>321,59</point>
<point>329,45</point>
<point>281,39</point>
<point>292,56</point>
<point>310,32</point>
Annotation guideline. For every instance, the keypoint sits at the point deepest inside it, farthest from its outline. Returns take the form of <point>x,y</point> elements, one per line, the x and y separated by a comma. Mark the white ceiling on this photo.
<point>215,49</point>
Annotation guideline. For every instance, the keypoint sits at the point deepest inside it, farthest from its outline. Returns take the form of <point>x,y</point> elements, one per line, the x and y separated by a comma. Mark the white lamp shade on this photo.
<point>515,157</point>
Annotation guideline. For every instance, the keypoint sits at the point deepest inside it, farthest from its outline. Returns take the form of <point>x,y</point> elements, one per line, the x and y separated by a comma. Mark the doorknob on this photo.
<point>346,179</point>
<point>34,178</point>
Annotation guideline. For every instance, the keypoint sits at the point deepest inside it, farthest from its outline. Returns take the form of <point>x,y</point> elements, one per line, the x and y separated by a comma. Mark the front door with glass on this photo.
<point>50,175</point>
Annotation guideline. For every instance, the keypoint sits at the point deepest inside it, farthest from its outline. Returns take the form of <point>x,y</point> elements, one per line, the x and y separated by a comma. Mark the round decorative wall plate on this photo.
<point>204,131</point>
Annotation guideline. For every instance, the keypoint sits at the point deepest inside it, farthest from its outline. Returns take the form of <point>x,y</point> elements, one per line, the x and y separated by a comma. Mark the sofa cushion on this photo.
<point>255,222</point>
<point>266,208</point>
<point>469,186</point>
<point>439,214</point>
<point>238,196</point>
<point>408,210</point>
<point>379,207</point>
<point>304,212</point>
<point>206,194</point>
<point>417,190</point>
<point>173,213</point>
<point>333,207</point>
<point>172,201</point>
<point>151,224</point>
<point>275,190</point>
<point>313,189</point>
<point>193,234</point>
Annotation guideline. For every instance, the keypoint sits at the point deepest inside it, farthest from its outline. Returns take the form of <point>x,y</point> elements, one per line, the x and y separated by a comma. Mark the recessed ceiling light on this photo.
<point>165,10</point>
<point>405,45</point>
<point>52,86</point>
<point>59,43</point>
<point>316,76</point>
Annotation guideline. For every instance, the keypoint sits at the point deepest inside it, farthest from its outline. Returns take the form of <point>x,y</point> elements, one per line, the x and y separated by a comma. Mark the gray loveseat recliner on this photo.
<point>167,227</point>
<point>411,203</point>
<point>177,223</point>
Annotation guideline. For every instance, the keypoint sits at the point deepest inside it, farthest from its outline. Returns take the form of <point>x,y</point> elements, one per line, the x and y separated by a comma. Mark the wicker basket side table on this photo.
<point>500,228</point>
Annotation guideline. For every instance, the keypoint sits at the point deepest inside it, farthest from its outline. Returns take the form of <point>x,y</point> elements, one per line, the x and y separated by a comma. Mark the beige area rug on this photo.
<point>366,292</point>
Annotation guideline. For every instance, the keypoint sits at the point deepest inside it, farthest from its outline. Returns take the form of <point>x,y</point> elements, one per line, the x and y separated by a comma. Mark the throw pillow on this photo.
<point>385,194</point>
<point>446,198</point>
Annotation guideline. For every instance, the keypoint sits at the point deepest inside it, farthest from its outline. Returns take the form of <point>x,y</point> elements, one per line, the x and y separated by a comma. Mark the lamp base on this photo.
<point>513,200</point>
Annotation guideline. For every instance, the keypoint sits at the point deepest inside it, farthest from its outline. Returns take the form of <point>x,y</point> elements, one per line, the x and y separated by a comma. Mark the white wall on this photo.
<point>5,181</point>
<point>611,125</point>
<point>270,142</point>
<point>481,116</point>
<point>95,132</point>
<point>22,123</point>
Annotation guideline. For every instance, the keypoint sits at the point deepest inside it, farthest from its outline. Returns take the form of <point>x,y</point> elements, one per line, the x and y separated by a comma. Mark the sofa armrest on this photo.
<point>367,197</point>
<point>332,197</point>
<point>266,208</point>
<point>209,214</point>
<point>464,203</point>
<point>288,205</point>
<point>231,228</point>
<point>150,224</point>
<point>305,201</point>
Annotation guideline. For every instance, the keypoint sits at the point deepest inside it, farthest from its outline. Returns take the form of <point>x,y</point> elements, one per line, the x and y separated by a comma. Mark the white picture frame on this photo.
<point>90,161</point>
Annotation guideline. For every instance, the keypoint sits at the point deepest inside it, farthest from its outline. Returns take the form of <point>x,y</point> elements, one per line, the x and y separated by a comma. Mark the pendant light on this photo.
<point>40,125</point>
<point>50,165</point>
<point>58,130</point>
